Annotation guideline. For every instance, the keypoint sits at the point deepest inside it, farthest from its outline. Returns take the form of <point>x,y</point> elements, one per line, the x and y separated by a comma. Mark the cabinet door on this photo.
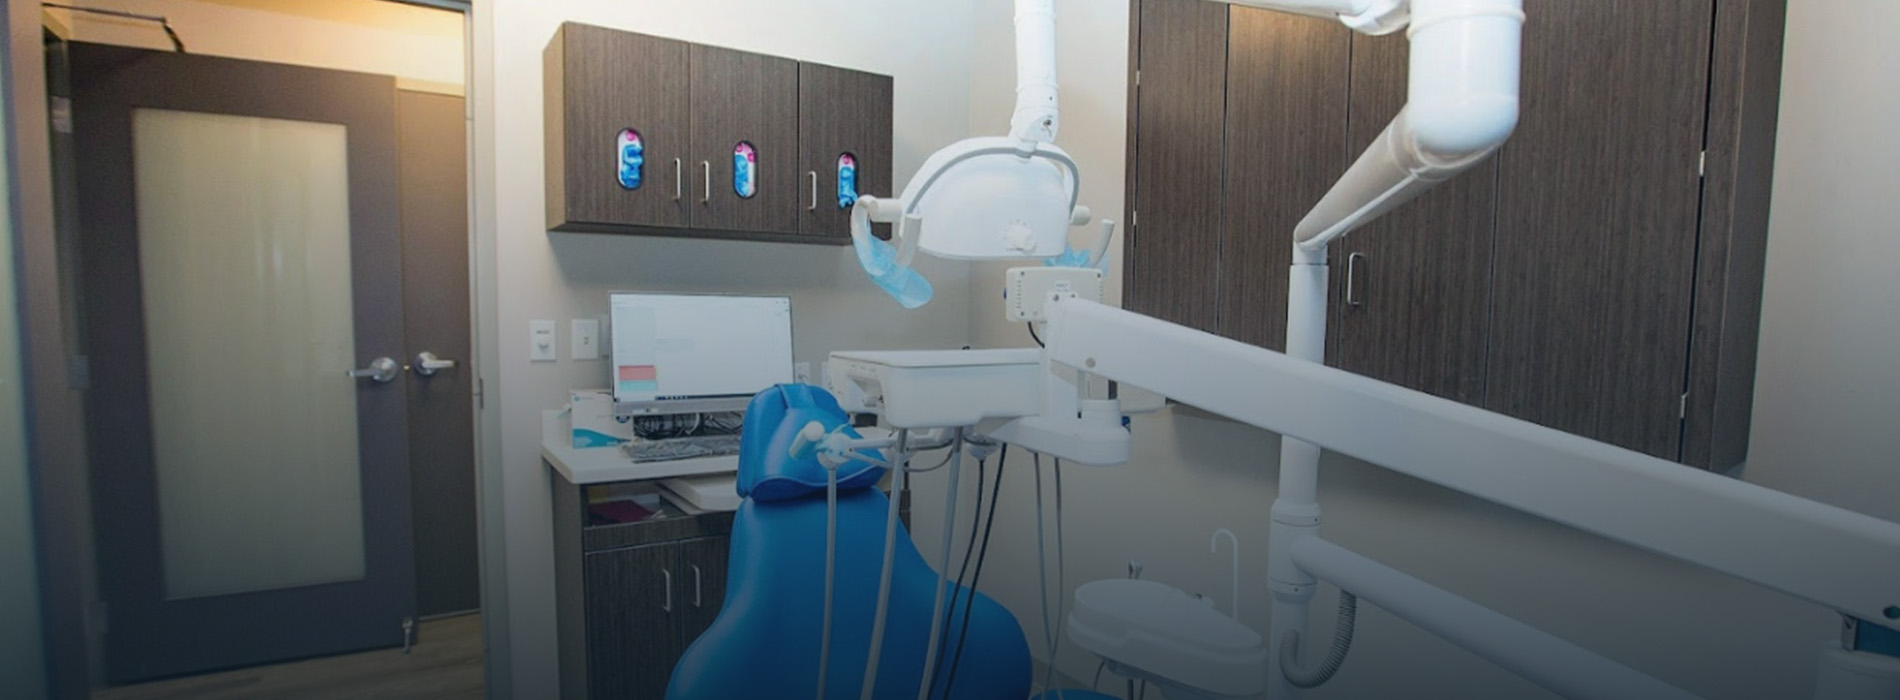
<point>636,606</point>
<point>841,113</point>
<point>1419,277</point>
<point>1180,103</point>
<point>1285,144</point>
<point>703,562</point>
<point>1597,200</point>
<point>600,83</point>
<point>744,141</point>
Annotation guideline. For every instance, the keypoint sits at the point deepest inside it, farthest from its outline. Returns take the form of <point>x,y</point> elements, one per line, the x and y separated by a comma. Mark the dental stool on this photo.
<point>765,642</point>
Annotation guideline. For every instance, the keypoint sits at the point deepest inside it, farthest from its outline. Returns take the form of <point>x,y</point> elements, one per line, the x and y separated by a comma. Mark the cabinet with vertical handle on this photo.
<point>653,136</point>
<point>630,597</point>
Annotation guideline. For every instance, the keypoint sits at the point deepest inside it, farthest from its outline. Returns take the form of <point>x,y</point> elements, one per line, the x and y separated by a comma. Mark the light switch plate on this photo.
<point>541,345</point>
<point>585,344</point>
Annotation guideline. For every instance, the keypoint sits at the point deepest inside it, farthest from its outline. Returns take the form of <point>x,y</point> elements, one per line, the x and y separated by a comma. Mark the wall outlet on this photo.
<point>541,345</point>
<point>585,344</point>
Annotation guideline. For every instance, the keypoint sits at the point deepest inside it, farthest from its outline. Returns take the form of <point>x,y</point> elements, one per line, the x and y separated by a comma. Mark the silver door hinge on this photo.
<point>1682,408</point>
<point>1702,164</point>
<point>1137,77</point>
<point>481,399</point>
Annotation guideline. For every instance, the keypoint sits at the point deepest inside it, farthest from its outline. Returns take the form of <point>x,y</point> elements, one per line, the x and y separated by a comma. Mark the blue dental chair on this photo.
<point>765,643</point>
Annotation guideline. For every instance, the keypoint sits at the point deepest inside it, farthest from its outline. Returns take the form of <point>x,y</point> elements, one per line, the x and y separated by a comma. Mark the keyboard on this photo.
<point>678,448</point>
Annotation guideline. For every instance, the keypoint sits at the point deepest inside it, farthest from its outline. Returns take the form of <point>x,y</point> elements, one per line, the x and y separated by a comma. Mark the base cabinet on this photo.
<point>630,597</point>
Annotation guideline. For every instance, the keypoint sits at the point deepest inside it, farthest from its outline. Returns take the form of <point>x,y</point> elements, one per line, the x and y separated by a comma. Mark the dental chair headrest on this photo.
<point>767,470</point>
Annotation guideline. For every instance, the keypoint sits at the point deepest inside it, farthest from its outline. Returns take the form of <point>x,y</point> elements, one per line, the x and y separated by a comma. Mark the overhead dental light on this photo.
<point>987,197</point>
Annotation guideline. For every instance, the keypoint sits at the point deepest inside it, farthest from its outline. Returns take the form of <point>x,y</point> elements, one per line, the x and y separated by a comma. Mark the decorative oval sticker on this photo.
<point>745,170</point>
<point>847,180</point>
<point>631,154</point>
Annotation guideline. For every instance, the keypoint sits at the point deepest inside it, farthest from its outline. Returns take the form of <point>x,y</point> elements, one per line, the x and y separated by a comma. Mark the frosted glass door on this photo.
<point>244,260</point>
<point>240,245</point>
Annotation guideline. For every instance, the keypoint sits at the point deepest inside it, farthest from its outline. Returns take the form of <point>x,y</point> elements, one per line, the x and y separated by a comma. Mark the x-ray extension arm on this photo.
<point>1740,529</point>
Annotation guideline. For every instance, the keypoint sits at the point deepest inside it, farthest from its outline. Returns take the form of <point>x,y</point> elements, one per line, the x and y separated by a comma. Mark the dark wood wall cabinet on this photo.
<point>655,136</point>
<point>1600,274</point>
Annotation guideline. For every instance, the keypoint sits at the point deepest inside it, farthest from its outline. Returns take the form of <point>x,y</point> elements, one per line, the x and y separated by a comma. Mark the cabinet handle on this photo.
<point>679,179</point>
<point>705,168</point>
<point>814,191</point>
<point>668,605</point>
<point>1352,277</point>
<point>695,585</point>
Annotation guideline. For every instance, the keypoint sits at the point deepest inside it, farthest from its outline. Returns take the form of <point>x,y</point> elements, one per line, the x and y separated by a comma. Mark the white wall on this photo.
<point>1828,389</point>
<point>371,36</point>
<point>1828,382</point>
<point>925,46</point>
<point>22,662</point>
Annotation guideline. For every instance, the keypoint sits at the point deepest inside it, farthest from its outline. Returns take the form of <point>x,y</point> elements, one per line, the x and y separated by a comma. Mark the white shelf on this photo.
<point>596,465</point>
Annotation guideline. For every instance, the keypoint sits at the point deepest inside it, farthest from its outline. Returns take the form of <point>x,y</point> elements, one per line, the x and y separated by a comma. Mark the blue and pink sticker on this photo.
<point>630,152</point>
<point>745,170</point>
<point>847,180</point>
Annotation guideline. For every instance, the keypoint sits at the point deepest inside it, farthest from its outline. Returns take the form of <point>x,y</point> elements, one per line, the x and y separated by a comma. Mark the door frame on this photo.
<point>56,458</point>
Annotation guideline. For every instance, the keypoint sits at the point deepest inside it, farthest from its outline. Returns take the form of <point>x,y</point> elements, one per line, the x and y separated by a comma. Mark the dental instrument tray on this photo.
<point>678,448</point>
<point>937,388</point>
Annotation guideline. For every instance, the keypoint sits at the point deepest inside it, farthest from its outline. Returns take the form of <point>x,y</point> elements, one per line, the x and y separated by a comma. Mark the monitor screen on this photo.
<point>691,347</point>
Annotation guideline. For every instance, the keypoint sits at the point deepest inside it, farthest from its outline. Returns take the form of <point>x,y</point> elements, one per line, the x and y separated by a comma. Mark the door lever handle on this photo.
<point>380,370</point>
<point>427,364</point>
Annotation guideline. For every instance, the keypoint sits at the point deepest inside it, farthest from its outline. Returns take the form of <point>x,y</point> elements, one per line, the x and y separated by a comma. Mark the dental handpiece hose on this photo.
<point>831,570</point>
<point>884,578</point>
<point>943,563</point>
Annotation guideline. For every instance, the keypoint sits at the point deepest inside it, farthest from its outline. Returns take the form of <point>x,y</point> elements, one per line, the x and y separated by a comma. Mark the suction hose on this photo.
<point>1302,677</point>
<point>884,579</point>
<point>943,563</point>
<point>831,571</point>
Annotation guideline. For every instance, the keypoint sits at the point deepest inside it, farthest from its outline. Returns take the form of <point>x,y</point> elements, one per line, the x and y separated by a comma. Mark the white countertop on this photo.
<point>595,465</point>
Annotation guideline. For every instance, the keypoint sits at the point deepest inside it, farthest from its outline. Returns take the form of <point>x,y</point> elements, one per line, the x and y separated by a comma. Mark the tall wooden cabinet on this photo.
<point>1600,274</point>
<point>654,136</point>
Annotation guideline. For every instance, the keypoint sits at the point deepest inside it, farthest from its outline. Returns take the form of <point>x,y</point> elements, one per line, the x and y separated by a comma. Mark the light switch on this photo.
<point>585,344</point>
<point>541,346</point>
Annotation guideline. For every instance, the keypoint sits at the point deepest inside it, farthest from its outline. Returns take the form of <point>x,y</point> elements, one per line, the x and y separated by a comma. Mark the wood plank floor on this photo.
<point>446,662</point>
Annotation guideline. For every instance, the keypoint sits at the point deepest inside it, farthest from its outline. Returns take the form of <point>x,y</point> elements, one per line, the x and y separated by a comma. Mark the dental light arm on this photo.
<point>1036,117</point>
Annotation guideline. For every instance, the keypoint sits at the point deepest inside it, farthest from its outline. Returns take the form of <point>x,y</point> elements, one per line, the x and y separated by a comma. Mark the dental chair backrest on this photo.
<point>765,642</point>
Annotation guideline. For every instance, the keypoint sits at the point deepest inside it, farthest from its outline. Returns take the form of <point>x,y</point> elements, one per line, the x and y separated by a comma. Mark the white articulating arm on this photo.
<point>1833,557</point>
<point>1461,102</point>
<point>1036,117</point>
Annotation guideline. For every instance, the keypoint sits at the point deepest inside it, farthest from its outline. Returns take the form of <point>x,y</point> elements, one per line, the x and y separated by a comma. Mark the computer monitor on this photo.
<point>697,353</point>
